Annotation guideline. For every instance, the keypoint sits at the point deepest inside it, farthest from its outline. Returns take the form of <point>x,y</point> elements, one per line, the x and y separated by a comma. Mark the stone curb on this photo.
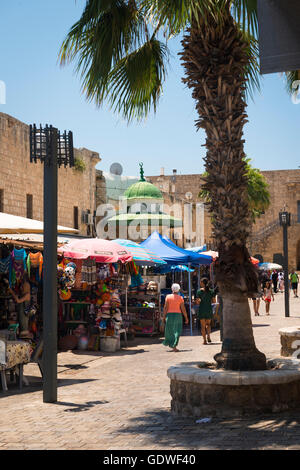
<point>289,372</point>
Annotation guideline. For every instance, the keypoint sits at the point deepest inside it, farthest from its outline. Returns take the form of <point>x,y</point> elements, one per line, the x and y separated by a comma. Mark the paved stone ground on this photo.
<point>122,401</point>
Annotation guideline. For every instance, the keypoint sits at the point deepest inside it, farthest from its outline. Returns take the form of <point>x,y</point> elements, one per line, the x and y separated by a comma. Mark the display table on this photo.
<point>13,354</point>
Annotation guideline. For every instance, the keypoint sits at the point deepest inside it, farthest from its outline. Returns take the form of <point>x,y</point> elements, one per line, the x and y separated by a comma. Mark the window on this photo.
<point>29,206</point>
<point>1,200</point>
<point>298,211</point>
<point>76,224</point>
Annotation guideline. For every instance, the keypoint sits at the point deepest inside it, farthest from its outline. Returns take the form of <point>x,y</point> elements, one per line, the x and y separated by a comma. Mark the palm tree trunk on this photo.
<point>215,56</point>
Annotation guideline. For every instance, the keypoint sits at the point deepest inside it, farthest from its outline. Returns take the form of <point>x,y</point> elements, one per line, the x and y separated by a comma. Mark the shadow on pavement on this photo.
<point>272,431</point>
<point>36,384</point>
<point>255,326</point>
<point>78,407</point>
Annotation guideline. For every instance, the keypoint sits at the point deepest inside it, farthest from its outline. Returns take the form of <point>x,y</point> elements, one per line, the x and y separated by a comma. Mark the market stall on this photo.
<point>91,276</point>
<point>142,292</point>
<point>174,255</point>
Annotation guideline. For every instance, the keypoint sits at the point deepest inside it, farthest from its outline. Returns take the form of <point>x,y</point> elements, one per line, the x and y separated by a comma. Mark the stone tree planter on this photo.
<point>214,392</point>
<point>290,341</point>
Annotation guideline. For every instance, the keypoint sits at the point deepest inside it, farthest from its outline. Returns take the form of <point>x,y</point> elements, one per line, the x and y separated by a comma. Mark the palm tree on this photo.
<point>122,57</point>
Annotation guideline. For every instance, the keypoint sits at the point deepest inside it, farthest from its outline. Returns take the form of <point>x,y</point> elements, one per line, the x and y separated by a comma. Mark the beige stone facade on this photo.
<point>266,239</point>
<point>21,182</point>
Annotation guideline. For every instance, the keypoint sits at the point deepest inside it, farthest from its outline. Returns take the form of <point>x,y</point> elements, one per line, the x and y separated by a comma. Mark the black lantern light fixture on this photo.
<point>285,222</point>
<point>52,149</point>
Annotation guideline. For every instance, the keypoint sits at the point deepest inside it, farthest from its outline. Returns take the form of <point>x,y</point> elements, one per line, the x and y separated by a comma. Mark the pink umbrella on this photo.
<point>103,251</point>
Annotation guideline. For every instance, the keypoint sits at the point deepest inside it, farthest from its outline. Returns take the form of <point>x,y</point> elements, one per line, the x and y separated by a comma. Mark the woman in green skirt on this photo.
<point>205,296</point>
<point>173,310</point>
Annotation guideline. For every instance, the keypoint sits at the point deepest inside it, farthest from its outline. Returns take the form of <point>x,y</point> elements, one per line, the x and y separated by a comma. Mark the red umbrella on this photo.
<point>103,251</point>
<point>254,260</point>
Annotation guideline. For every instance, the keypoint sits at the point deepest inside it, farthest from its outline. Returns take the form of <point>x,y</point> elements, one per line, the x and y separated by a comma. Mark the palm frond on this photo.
<point>252,71</point>
<point>245,13</point>
<point>106,31</point>
<point>135,83</point>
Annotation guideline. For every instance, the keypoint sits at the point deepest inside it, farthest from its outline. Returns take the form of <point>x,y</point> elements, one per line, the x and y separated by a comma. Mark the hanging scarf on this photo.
<point>4,265</point>
<point>35,260</point>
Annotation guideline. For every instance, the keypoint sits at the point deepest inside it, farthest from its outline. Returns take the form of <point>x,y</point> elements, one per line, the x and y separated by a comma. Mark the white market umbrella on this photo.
<point>15,224</point>
<point>269,266</point>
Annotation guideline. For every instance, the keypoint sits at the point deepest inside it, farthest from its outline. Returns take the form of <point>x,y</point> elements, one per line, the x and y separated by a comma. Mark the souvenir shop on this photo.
<point>21,277</point>
<point>99,304</point>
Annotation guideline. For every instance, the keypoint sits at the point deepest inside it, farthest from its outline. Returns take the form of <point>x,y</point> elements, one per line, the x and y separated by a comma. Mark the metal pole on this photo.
<point>50,276</point>
<point>190,300</point>
<point>286,270</point>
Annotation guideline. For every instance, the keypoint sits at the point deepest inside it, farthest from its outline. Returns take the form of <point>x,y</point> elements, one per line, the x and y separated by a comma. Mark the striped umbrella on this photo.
<point>141,256</point>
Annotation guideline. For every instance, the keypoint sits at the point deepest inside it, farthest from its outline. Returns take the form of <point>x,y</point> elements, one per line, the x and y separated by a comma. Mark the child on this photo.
<point>268,295</point>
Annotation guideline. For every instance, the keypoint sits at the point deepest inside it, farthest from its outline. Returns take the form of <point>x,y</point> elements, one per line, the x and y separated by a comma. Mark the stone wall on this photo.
<point>266,239</point>
<point>19,177</point>
<point>185,189</point>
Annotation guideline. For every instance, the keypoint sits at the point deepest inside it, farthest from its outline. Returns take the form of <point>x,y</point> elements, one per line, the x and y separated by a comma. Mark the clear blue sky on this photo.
<point>40,91</point>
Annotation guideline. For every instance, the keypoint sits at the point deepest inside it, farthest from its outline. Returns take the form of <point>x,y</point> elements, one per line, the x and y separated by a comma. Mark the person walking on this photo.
<point>274,278</point>
<point>294,278</point>
<point>281,282</point>
<point>172,317</point>
<point>268,295</point>
<point>205,297</point>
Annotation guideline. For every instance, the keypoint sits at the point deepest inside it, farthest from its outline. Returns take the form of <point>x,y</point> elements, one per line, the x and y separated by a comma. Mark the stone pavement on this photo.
<point>122,401</point>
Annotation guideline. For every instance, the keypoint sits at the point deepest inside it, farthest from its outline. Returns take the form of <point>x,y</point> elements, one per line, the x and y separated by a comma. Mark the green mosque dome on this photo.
<point>143,190</point>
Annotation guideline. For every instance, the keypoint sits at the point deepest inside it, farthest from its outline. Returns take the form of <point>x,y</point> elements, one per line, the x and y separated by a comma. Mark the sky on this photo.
<point>39,90</point>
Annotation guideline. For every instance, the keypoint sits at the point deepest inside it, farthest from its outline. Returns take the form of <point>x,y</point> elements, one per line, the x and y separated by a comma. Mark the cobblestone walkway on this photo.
<point>122,401</point>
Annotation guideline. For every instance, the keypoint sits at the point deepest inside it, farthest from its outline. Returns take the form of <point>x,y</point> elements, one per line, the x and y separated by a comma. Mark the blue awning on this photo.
<point>173,254</point>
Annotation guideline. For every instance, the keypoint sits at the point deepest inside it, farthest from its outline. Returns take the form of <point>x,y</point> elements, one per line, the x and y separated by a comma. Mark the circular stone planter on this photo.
<point>290,341</point>
<point>215,392</point>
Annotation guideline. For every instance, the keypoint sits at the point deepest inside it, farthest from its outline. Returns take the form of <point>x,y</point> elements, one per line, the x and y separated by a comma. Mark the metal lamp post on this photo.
<point>285,221</point>
<point>53,149</point>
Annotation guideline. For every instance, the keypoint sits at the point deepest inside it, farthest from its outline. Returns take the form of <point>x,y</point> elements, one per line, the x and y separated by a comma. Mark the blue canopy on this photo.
<point>171,253</point>
<point>168,268</point>
<point>196,258</point>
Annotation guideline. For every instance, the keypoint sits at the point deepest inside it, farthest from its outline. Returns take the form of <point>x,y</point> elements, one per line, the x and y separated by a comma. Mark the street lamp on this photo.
<point>53,149</point>
<point>285,221</point>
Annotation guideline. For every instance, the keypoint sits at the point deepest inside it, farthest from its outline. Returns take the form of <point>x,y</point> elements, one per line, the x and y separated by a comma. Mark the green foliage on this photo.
<point>79,165</point>
<point>119,53</point>
<point>258,191</point>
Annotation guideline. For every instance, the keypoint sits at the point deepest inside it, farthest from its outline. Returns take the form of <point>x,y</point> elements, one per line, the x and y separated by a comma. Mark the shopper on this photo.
<point>172,316</point>
<point>205,296</point>
<point>294,281</point>
<point>22,300</point>
<point>256,303</point>
<point>274,278</point>
<point>281,282</point>
<point>268,295</point>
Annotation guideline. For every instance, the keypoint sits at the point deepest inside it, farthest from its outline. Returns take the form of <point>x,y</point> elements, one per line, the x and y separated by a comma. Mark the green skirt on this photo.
<point>173,329</point>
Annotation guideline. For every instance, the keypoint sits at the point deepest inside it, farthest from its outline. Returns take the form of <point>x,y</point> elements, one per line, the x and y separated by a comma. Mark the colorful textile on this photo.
<point>173,329</point>
<point>4,265</point>
<point>17,352</point>
<point>35,260</point>
<point>17,265</point>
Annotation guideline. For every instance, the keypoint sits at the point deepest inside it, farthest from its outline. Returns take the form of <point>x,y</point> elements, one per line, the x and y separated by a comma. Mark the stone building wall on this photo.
<point>19,177</point>
<point>266,239</point>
